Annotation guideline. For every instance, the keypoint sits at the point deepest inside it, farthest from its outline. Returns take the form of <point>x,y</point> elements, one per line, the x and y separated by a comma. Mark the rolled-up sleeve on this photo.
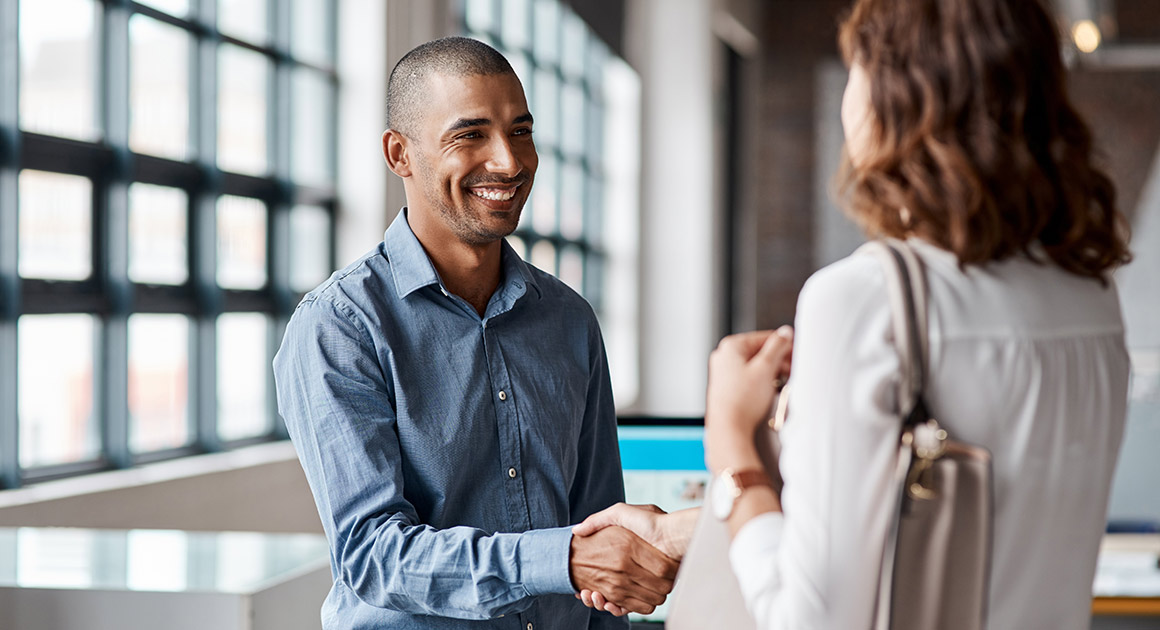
<point>340,413</point>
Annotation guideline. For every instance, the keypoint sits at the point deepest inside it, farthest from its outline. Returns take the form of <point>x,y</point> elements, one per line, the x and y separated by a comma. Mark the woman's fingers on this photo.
<point>607,606</point>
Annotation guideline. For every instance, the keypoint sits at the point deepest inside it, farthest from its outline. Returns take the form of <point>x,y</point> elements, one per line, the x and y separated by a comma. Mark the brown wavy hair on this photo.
<point>973,133</point>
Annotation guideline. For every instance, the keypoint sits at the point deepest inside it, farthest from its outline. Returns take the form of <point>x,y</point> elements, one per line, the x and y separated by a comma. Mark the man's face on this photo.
<point>474,156</point>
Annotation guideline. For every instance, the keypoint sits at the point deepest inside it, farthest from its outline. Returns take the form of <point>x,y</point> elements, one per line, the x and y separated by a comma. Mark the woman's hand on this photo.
<point>744,372</point>
<point>669,533</point>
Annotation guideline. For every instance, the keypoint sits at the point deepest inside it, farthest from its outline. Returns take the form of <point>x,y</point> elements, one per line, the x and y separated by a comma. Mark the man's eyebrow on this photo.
<point>464,123</point>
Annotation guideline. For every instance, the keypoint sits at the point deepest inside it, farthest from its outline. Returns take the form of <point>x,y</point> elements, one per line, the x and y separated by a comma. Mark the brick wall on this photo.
<point>779,217</point>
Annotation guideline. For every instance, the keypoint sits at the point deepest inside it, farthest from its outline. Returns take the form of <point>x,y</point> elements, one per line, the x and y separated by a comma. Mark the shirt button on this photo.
<point>502,395</point>
<point>529,625</point>
<point>512,473</point>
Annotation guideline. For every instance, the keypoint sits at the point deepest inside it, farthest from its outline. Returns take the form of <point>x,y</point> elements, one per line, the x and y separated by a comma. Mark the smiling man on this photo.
<point>450,403</point>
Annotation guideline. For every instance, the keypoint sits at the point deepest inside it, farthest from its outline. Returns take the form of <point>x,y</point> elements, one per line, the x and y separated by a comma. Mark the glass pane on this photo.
<point>157,560</point>
<point>58,67</point>
<point>239,563</point>
<point>546,109</point>
<point>311,135</point>
<point>572,101</point>
<point>544,256</point>
<point>180,8</point>
<point>544,195</point>
<point>158,382</point>
<point>547,22</point>
<point>594,139</point>
<point>243,76</point>
<point>56,558</point>
<point>598,55</point>
<point>157,235</point>
<point>55,389</point>
<point>310,25</point>
<point>309,247</point>
<point>480,14</point>
<point>242,365</point>
<point>572,202</point>
<point>572,268</point>
<point>56,226</point>
<point>521,65</point>
<point>485,38</point>
<point>593,219</point>
<point>515,24</point>
<point>159,88</point>
<point>241,244</point>
<point>572,41</point>
<point>244,19</point>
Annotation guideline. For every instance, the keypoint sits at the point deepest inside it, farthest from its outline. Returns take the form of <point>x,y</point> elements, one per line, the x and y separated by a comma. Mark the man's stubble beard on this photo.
<point>460,220</point>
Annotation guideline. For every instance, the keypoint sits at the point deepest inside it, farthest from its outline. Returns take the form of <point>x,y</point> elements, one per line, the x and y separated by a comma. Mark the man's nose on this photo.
<point>503,159</point>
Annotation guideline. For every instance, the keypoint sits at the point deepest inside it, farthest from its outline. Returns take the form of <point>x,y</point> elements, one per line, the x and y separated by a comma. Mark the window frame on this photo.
<point>111,166</point>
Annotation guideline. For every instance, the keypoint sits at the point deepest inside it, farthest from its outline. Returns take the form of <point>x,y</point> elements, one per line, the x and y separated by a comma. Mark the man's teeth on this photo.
<point>494,195</point>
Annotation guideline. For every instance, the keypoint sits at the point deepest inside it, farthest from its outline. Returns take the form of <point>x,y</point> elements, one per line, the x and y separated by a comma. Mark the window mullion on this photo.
<point>203,239</point>
<point>278,217</point>
<point>9,280</point>
<point>111,201</point>
<point>209,298</point>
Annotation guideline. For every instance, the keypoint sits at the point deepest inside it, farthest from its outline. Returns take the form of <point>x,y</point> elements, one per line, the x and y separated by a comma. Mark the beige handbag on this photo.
<point>936,563</point>
<point>936,560</point>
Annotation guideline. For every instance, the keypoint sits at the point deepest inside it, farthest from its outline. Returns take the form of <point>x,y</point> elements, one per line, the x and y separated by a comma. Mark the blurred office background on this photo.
<point>175,174</point>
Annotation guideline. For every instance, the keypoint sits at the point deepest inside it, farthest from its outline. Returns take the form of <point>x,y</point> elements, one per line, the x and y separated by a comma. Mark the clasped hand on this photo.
<point>743,371</point>
<point>638,571</point>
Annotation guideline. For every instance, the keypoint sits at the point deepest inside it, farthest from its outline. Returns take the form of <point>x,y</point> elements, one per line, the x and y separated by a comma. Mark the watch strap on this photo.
<point>749,478</point>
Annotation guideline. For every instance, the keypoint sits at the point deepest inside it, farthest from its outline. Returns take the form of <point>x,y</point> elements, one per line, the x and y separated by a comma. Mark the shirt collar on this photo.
<point>412,269</point>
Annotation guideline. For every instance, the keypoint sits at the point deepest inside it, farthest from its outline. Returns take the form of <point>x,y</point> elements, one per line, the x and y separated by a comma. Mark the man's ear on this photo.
<point>397,153</point>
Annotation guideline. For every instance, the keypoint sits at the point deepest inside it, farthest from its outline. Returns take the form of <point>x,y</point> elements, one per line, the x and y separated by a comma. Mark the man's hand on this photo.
<point>622,566</point>
<point>669,533</point>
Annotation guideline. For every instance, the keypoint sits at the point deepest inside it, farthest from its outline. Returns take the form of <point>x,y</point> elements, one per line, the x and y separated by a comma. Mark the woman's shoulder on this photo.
<point>857,280</point>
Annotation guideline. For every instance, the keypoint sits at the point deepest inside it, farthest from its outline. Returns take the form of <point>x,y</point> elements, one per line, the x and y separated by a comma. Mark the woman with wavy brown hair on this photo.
<point>961,139</point>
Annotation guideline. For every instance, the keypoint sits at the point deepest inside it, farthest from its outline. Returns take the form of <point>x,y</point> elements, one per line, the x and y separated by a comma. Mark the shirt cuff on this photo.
<point>543,558</point>
<point>753,555</point>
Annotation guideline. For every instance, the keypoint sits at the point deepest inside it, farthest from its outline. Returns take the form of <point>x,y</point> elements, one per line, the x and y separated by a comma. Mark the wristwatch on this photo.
<point>728,486</point>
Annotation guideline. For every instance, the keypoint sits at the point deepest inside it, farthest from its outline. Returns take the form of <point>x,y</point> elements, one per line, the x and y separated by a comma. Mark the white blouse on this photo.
<point>1026,360</point>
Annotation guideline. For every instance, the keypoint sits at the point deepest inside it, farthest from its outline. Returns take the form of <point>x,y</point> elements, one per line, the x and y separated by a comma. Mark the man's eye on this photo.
<point>471,135</point>
<point>523,131</point>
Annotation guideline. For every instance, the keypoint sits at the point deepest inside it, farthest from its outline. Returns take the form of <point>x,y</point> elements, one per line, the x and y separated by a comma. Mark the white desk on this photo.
<point>89,579</point>
<point>1127,580</point>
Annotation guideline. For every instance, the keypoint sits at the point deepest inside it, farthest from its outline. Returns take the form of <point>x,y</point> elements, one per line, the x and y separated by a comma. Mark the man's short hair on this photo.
<point>454,56</point>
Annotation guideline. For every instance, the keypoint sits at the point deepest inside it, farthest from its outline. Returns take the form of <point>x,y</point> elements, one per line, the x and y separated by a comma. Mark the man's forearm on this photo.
<point>459,572</point>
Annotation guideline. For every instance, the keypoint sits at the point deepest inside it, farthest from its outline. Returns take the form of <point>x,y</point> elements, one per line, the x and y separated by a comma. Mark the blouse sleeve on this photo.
<point>817,566</point>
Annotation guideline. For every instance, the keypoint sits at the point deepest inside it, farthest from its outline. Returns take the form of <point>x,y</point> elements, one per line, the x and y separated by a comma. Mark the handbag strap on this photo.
<point>907,291</point>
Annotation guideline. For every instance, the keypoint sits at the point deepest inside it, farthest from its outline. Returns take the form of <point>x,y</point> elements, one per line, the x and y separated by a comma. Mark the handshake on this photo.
<point>624,559</point>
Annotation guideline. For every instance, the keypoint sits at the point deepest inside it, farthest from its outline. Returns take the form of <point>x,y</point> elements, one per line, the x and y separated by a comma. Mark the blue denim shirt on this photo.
<point>449,453</point>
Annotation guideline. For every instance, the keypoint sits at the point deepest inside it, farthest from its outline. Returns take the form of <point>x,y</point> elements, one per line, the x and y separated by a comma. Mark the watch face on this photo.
<point>722,494</point>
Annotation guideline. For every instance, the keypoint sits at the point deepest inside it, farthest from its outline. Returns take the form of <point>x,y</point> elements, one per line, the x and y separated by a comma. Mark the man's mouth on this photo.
<point>495,194</point>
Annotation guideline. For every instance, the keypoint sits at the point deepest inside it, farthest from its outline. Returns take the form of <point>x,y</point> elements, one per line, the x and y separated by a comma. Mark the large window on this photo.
<point>581,223</point>
<point>166,194</point>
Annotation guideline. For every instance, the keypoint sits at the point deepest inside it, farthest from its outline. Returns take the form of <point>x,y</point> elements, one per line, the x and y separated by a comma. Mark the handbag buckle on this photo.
<point>928,441</point>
